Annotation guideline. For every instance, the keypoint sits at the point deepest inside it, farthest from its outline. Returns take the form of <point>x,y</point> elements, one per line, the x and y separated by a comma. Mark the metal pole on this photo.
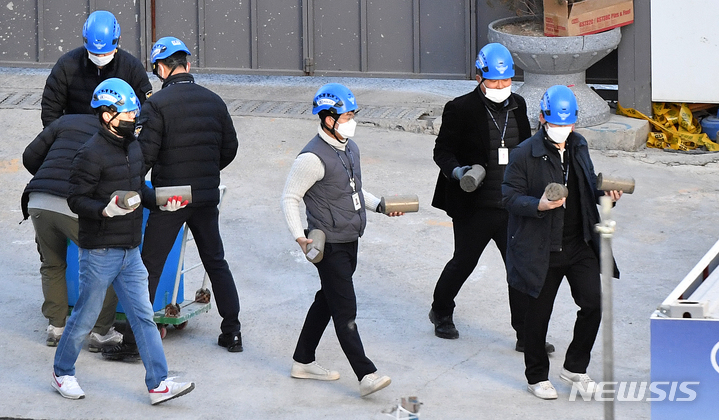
<point>606,230</point>
<point>180,263</point>
<point>153,23</point>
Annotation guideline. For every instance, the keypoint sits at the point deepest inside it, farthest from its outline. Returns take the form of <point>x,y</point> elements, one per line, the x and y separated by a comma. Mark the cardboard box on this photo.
<point>584,17</point>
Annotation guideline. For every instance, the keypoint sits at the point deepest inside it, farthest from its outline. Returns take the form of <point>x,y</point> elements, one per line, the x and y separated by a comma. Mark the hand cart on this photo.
<point>176,314</point>
<point>172,313</point>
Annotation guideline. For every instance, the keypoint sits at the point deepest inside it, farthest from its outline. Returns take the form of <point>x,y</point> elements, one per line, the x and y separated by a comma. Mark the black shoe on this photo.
<point>233,342</point>
<point>443,326</point>
<point>121,352</point>
<point>547,346</point>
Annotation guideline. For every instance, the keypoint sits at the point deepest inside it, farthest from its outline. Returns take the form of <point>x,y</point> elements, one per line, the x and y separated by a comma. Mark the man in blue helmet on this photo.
<point>72,80</point>
<point>479,128</point>
<point>49,157</point>
<point>110,233</point>
<point>187,145</point>
<point>327,176</point>
<point>555,239</point>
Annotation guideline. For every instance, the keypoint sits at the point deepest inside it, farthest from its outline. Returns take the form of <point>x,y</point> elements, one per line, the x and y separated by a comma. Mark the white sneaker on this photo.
<point>53,335</point>
<point>67,386</point>
<point>313,371</point>
<point>544,390</point>
<point>373,383</point>
<point>98,342</point>
<point>169,389</point>
<point>581,380</point>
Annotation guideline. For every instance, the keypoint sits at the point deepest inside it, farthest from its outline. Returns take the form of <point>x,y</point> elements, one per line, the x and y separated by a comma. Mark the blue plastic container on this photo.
<point>710,126</point>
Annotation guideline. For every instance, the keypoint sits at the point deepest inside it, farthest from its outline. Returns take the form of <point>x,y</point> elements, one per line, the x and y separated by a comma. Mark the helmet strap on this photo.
<point>156,71</point>
<point>108,124</point>
<point>332,130</point>
<point>113,117</point>
<point>172,70</point>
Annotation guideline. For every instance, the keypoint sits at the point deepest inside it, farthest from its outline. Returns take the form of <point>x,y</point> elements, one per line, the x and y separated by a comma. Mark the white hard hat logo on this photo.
<point>563,115</point>
<point>99,45</point>
<point>502,68</point>
<point>326,101</point>
<point>106,97</point>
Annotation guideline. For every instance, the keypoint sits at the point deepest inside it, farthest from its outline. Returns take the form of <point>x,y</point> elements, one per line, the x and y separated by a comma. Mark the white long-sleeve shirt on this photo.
<point>306,170</point>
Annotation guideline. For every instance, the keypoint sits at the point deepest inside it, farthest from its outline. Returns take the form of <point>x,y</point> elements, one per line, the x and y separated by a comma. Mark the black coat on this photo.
<point>49,156</point>
<point>464,140</point>
<point>105,164</point>
<point>529,231</point>
<point>73,79</point>
<point>187,137</point>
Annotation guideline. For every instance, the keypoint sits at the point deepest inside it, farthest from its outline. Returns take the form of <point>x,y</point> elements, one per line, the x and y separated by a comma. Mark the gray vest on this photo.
<point>329,201</point>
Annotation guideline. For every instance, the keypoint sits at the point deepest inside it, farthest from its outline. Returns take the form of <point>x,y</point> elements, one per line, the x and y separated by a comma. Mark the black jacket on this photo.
<point>105,164</point>
<point>50,155</point>
<point>187,137</point>
<point>73,79</point>
<point>463,140</point>
<point>530,169</point>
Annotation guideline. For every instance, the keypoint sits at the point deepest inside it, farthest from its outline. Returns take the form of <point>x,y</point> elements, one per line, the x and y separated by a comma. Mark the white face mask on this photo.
<point>101,61</point>
<point>558,134</point>
<point>347,129</point>
<point>497,95</point>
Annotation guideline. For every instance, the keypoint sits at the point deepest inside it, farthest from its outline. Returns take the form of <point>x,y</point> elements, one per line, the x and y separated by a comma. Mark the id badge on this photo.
<point>356,201</point>
<point>503,155</point>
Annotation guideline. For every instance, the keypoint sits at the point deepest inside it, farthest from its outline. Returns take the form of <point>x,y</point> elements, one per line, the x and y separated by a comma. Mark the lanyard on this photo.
<point>351,175</point>
<point>565,166</point>
<point>504,130</point>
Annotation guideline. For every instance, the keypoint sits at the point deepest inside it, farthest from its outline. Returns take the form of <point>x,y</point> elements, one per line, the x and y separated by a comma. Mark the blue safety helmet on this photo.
<point>559,105</point>
<point>116,94</point>
<point>101,32</point>
<point>165,47</point>
<point>335,98</point>
<point>495,62</point>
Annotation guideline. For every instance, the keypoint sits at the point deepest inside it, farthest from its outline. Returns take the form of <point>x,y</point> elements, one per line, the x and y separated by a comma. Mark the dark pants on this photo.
<point>471,236</point>
<point>160,234</point>
<point>578,263</point>
<point>336,299</point>
<point>52,230</point>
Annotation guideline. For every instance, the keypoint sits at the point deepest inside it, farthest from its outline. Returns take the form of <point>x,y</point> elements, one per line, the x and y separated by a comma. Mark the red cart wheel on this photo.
<point>181,326</point>
<point>163,331</point>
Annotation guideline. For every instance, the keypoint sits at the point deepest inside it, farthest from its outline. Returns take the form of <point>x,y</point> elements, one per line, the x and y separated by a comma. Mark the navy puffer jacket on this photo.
<point>105,164</point>
<point>49,156</point>
<point>187,137</point>
<point>73,79</point>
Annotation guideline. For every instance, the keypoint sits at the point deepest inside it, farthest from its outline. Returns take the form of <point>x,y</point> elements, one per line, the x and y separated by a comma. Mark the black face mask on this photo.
<point>125,128</point>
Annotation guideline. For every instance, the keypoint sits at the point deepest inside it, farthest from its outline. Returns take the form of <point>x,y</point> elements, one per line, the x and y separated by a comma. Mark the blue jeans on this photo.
<point>123,268</point>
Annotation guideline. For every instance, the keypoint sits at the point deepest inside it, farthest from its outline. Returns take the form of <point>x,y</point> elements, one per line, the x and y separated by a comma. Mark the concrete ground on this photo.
<point>662,231</point>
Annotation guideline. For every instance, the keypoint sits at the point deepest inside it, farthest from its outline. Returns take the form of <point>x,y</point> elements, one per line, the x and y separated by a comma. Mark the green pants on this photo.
<point>52,230</point>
